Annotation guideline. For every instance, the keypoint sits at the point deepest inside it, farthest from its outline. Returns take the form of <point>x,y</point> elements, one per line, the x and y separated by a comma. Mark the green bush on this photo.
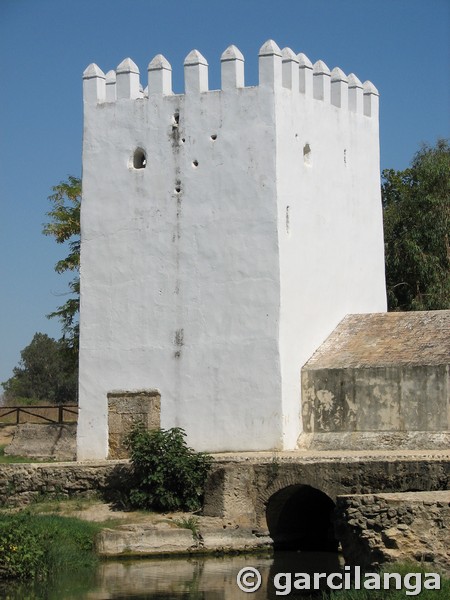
<point>35,546</point>
<point>169,475</point>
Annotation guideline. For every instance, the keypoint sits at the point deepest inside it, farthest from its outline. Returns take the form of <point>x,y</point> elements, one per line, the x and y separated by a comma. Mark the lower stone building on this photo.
<point>380,381</point>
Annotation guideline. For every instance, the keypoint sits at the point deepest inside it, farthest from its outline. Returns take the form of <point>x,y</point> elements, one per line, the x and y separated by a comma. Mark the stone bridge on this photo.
<point>290,494</point>
<point>293,494</point>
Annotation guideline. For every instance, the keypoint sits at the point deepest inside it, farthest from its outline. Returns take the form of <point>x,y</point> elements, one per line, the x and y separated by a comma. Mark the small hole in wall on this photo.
<point>214,137</point>
<point>176,119</point>
<point>307,154</point>
<point>177,188</point>
<point>195,163</point>
<point>139,159</point>
<point>345,157</point>
<point>183,140</point>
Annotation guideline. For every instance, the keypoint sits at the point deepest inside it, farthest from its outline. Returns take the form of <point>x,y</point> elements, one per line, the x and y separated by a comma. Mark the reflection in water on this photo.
<point>199,578</point>
<point>301,562</point>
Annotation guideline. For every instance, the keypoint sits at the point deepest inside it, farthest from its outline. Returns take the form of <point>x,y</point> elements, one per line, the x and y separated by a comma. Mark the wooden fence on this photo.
<point>62,413</point>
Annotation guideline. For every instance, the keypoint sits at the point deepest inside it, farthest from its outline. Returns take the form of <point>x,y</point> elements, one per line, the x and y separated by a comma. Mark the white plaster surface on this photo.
<point>217,294</point>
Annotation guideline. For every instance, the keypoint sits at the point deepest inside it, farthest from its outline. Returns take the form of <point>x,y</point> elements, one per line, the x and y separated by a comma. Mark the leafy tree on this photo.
<point>45,373</point>
<point>416,204</point>
<point>64,226</point>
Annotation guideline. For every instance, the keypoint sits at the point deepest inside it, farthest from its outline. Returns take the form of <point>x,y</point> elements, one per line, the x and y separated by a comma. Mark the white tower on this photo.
<point>225,233</point>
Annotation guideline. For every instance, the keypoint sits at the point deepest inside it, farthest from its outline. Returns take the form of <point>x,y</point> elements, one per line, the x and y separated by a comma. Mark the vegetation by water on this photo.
<point>169,475</point>
<point>396,594</point>
<point>40,546</point>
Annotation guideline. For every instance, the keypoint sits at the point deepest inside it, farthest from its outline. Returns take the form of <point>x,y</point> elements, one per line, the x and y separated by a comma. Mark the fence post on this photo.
<point>60,413</point>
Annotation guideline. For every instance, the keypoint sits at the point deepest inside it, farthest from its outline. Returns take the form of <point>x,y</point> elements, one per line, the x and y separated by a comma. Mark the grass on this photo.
<point>191,523</point>
<point>37,546</point>
<point>45,505</point>
<point>9,460</point>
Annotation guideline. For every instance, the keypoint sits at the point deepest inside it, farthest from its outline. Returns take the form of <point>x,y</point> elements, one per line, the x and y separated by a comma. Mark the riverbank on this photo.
<point>181,548</point>
<point>125,534</point>
<point>36,546</point>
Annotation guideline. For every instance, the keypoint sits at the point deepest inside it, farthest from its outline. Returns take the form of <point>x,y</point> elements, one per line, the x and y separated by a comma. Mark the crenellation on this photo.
<point>195,72</point>
<point>127,80</point>
<point>321,81</point>
<point>339,88</point>
<point>277,69</point>
<point>159,76</point>
<point>355,94</point>
<point>232,68</point>
<point>270,65</point>
<point>94,84</point>
<point>290,69</point>
<point>111,86</point>
<point>305,75</point>
<point>371,99</point>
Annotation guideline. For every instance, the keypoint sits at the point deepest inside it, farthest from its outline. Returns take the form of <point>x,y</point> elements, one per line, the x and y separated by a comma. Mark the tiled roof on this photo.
<point>386,339</point>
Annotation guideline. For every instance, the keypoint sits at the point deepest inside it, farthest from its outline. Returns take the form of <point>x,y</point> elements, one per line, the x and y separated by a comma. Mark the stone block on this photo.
<point>125,409</point>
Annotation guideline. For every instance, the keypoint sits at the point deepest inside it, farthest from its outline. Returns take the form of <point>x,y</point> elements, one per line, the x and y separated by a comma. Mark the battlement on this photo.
<point>278,69</point>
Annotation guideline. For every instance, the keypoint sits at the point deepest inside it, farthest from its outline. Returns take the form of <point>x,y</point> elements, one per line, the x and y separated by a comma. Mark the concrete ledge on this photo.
<point>162,539</point>
<point>136,540</point>
<point>375,440</point>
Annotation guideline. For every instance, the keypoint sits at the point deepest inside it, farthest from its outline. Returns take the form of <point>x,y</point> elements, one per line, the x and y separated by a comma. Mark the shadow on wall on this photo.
<point>300,517</point>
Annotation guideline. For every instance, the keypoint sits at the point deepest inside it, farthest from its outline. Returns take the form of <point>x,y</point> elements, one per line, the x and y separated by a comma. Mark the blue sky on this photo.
<point>402,46</point>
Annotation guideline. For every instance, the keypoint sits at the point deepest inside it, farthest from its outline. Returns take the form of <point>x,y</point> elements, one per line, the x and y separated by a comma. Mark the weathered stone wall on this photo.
<point>125,409</point>
<point>380,528</point>
<point>239,489</point>
<point>21,484</point>
<point>44,441</point>
<point>403,398</point>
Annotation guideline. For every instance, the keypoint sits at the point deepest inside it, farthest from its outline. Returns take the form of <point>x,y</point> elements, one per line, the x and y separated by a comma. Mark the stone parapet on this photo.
<point>21,484</point>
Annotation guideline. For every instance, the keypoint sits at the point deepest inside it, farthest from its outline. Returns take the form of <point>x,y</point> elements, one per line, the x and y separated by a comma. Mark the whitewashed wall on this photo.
<point>192,281</point>
<point>329,216</point>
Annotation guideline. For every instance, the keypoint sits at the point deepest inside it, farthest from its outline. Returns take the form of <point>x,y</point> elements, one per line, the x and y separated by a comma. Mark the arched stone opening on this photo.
<point>300,517</point>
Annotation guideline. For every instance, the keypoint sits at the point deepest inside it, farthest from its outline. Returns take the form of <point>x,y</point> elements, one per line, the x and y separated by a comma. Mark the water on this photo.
<point>198,578</point>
